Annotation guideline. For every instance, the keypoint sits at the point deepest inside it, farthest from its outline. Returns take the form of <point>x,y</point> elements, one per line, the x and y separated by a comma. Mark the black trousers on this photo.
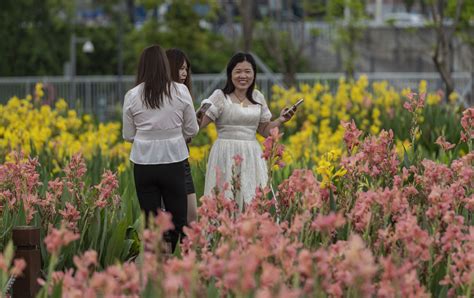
<point>166,181</point>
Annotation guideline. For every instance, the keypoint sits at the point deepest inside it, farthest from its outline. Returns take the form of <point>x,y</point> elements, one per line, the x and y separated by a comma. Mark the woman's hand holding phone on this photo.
<point>287,113</point>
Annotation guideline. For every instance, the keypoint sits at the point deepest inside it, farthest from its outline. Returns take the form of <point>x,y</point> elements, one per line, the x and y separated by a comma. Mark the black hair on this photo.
<point>153,71</point>
<point>238,58</point>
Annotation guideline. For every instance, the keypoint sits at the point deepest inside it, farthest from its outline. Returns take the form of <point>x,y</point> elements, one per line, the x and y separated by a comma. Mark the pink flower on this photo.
<point>376,157</point>
<point>358,266</point>
<point>56,186</point>
<point>76,168</point>
<point>445,145</point>
<point>301,183</point>
<point>164,222</point>
<point>351,134</point>
<point>18,266</point>
<point>328,223</point>
<point>305,263</point>
<point>408,106</point>
<point>271,275</point>
<point>87,260</point>
<point>416,240</point>
<point>106,187</point>
<point>414,102</point>
<point>70,216</point>
<point>56,239</point>
<point>399,281</point>
<point>273,151</point>
<point>467,123</point>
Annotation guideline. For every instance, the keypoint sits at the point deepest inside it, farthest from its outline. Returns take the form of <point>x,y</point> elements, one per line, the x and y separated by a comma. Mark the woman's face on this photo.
<point>183,72</point>
<point>242,75</point>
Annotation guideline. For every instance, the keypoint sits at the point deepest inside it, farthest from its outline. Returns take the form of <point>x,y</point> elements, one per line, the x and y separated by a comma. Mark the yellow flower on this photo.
<point>422,87</point>
<point>401,147</point>
<point>433,99</point>
<point>39,93</point>
<point>61,105</point>
<point>341,172</point>
<point>87,118</point>
<point>453,97</point>
<point>198,154</point>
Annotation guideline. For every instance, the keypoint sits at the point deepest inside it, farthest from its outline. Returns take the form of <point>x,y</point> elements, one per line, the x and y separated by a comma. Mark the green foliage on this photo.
<point>111,231</point>
<point>286,46</point>
<point>34,36</point>
<point>348,31</point>
<point>465,28</point>
<point>104,59</point>
<point>207,51</point>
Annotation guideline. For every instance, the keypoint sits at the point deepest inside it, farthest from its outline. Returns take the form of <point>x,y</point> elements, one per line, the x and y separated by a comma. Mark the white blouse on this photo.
<point>158,135</point>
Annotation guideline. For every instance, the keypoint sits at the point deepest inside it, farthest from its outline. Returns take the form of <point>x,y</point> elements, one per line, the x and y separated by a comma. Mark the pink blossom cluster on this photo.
<point>272,149</point>
<point>467,123</point>
<point>375,158</point>
<point>384,231</point>
<point>415,101</point>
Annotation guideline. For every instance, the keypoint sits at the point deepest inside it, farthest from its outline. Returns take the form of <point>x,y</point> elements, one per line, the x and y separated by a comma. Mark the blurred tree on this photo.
<point>107,38</point>
<point>284,44</point>
<point>447,19</point>
<point>104,59</point>
<point>281,41</point>
<point>409,4</point>
<point>465,26</point>
<point>247,11</point>
<point>180,27</point>
<point>34,36</point>
<point>347,16</point>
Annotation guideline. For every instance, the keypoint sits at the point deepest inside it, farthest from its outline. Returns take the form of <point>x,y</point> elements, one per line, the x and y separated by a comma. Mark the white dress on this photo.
<point>237,127</point>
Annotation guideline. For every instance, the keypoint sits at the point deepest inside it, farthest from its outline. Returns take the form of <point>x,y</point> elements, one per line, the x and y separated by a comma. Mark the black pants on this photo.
<point>166,181</point>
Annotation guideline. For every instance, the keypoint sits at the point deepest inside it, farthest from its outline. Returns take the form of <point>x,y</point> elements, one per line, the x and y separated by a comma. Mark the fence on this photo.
<point>103,95</point>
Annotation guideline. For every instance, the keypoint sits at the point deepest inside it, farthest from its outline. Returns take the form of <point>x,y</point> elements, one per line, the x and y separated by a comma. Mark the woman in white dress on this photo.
<point>239,112</point>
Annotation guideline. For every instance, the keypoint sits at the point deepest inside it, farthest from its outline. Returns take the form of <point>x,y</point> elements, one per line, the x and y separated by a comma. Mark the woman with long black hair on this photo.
<point>158,115</point>
<point>180,70</point>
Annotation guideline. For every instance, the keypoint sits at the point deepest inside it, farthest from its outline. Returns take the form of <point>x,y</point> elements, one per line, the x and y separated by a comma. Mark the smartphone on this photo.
<point>300,101</point>
<point>295,106</point>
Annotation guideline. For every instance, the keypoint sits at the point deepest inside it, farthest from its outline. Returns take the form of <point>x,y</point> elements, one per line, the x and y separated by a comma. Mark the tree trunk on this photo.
<point>246,11</point>
<point>441,59</point>
<point>442,56</point>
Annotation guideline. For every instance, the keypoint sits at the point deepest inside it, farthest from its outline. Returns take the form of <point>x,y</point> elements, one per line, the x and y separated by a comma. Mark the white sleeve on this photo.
<point>265,114</point>
<point>216,100</point>
<point>128,130</point>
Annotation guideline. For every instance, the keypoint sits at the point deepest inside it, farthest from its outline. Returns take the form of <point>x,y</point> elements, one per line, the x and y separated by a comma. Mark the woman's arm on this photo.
<point>265,127</point>
<point>128,128</point>
<point>202,118</point>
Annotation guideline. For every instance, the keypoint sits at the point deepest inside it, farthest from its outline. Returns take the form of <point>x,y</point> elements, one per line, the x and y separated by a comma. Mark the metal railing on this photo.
<point>101,95</point>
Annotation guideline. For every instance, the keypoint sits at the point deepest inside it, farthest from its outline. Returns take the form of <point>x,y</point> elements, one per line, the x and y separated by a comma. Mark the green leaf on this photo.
<point>212,291</point>
<point>57,290</point>
<point>406,160</point>
<point>332,202</point>
<point>115,243</point>
<point>177,251</point>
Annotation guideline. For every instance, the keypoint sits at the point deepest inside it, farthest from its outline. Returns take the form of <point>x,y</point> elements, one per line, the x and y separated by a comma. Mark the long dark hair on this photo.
<point>229,86</point>
<point>176,59</point>
<point>153,71</point>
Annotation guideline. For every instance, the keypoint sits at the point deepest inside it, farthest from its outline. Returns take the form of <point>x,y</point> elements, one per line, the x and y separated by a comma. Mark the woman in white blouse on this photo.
<point>239,112</point>
<point>158,115</point>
